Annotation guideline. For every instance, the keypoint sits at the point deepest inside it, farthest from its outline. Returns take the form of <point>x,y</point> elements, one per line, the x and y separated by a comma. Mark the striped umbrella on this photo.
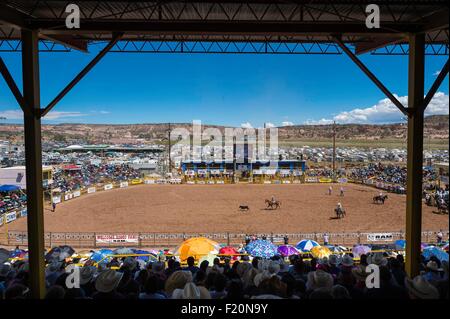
<point>306,245</point>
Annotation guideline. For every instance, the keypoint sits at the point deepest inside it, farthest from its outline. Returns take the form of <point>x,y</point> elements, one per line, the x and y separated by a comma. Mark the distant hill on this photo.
<point>436,128</point>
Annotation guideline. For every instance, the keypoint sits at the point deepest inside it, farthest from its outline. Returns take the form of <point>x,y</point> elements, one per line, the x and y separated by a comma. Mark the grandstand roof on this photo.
<point>184,25</point>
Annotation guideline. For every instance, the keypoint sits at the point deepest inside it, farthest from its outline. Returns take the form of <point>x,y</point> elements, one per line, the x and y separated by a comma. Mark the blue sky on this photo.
<point>220,89</point>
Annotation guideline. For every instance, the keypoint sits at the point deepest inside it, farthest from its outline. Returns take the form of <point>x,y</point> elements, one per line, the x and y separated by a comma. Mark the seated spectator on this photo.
<point>420,288</point>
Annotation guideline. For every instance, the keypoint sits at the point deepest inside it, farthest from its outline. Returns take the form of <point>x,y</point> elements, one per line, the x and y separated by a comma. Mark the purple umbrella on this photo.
<point>359,250</point>
<point>287,250</point>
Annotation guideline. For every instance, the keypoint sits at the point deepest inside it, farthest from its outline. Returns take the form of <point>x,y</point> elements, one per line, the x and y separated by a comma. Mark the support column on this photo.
<point>33,158</point>
<point>415,153</point>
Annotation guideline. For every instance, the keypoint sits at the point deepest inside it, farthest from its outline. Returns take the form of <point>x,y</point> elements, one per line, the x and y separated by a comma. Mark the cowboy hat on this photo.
<point>4,270</point>
<point>190,291</point>
<point>347,260</point>
<point>420,288</point>
<point>108,280</point>
<point>319,279</point>
<point>87,274</point>
<point>130,263</point>
<point>377,259</point>
<point>332,260</point>
<point>432,265</point>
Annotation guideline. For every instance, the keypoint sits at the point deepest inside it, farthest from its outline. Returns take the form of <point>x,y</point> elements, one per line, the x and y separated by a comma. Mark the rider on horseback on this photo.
<point>273,199</point>
<point>339,207</point>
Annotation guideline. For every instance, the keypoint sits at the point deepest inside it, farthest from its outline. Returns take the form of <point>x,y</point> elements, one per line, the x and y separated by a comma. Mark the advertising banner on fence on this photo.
<point>325,180</point>
<point>311,179</point>
<point>342,180</point>
<point>123,184</point>
<point>23,213</point>
<point>91,190</point>
<point>10,217</point>
<point>77,194</point>
<point>2,220</point>
<point>68,196</point>
<point>116,238</point>
<point>149,181</point>
<point>380,237</point>
<point>108,187</point>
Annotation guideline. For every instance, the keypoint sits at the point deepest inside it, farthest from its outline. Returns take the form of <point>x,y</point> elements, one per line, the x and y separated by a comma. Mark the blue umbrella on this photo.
<point>306,245</point>
<point>400,244</point>
<point>123,251</point>
<point>9,188</point>
<point>430,251</point>
<point>101,254</point>
<point>261,248</point>
<point>144,258</point>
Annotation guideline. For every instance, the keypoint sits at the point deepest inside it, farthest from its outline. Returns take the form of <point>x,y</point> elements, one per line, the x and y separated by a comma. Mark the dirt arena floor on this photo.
<point>214,208</point>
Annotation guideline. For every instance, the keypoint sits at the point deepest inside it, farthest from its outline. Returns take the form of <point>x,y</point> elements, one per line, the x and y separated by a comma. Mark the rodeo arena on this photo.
<point>151,223</point>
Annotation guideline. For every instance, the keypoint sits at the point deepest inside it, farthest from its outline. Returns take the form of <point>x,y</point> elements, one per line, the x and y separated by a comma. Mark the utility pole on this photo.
<point>170,148</point>
<point>334,150</point>
<point>234,159</point>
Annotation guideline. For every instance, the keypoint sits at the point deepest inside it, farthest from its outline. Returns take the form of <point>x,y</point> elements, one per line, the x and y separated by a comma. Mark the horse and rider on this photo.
<point>273,203</point>
<point>340,211</point>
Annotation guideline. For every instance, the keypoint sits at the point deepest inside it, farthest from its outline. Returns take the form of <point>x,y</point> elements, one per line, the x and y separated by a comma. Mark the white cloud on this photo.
<point>385,111</point>
<point>269,125</point>
<point>319,122</point>
<point>54,115</point>
<point>59,115</point>
<point>286,123</point>
<point>246,125</point>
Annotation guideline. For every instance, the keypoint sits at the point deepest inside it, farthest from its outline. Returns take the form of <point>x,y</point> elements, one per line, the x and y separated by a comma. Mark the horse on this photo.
<point>244,207</point>
<point>340,213</point>
<point>442,207</point>
<point>380,199</point>
<point>273,204</point>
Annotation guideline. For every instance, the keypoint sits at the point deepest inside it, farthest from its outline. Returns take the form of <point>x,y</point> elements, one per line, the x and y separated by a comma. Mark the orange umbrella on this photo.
<point>320,252</point>
<point>197,247</point>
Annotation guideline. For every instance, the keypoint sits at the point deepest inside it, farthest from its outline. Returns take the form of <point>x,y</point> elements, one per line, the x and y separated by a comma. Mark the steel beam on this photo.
<point>83,72</point>
<point>415,153</point>
<point>33,162</point>
<point>371,76</point>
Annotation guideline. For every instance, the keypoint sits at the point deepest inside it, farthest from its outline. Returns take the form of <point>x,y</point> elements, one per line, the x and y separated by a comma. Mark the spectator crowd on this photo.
<point>77,177</point>
<point>334,277</point>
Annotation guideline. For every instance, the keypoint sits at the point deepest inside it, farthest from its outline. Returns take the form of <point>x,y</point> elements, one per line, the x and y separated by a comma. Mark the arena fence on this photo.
<point>170,240</point>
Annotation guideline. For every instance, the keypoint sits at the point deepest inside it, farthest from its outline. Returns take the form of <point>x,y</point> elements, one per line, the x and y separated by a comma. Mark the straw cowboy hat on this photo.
<point>347,261</point>
<point>359,272</point>
<point>108,280</point>
<point>420,288</point>
<point>377,259</point>
<point>319,279</point>
<point>87,274</point>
